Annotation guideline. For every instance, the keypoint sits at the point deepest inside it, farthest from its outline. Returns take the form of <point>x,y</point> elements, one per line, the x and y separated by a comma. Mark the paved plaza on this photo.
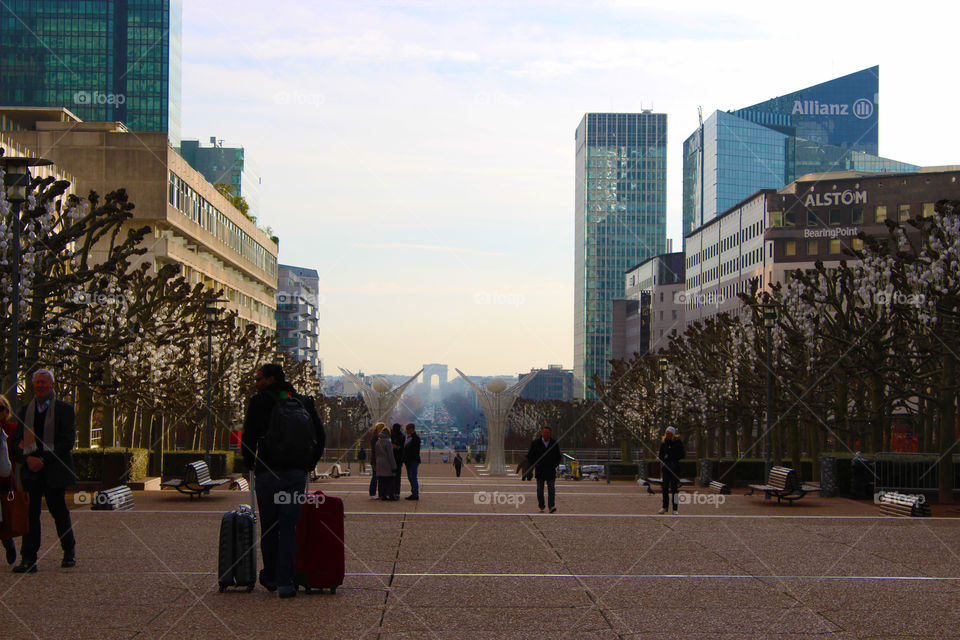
<point>474,559</point>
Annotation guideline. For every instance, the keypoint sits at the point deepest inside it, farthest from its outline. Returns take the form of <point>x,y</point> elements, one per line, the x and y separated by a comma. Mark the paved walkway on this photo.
<point>465,562</point>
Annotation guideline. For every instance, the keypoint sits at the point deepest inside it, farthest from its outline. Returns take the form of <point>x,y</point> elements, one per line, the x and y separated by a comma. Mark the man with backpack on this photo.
<point>282,441</point>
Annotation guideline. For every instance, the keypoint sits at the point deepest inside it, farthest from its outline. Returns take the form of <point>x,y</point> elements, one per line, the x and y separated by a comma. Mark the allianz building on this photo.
<point>815,218</point>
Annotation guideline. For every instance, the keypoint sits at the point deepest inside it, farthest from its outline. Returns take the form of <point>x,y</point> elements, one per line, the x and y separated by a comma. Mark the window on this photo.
<point>856,215</point>
<point>776,218</point>
<point>857,244</point>
<point>903,212</point>
<point>790,248</point>
<point>927,209</point>
<point>835,216</point>
<point>835,246</point>
<point>880,213</point>
<point>813,247</point>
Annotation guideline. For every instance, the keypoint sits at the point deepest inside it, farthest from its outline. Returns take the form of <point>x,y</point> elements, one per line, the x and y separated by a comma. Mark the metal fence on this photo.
<point>906,471</point>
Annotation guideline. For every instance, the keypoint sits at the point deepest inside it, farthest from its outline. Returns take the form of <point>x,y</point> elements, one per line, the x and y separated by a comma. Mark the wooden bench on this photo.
<point>196,480</point>
<point>240,484</point>
<point>903,505</point>
<point>650,482</point>
<point>719,487</point>
<point>115,499</point>
<point>782,485</point>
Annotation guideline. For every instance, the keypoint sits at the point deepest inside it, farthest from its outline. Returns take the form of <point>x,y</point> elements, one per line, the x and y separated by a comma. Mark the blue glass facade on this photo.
<point>621,220</point>
<point>827,127</point>
<point>227,165</point>
<point>105,60</point>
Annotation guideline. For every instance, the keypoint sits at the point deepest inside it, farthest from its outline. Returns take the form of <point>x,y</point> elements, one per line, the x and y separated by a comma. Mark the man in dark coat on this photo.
<point>671,453</point>
<point>411,458</point>
<point>43,445</point>
<point>543,457</point>
<point>279,484</point>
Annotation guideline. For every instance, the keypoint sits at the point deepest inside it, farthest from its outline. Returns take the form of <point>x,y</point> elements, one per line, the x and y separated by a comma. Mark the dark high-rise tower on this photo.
<point>109,60</point>
<point>621,220</point>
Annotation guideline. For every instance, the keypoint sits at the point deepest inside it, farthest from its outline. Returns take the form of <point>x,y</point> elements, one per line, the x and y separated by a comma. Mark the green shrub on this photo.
<point>221,462</point>
<point>123,465</point>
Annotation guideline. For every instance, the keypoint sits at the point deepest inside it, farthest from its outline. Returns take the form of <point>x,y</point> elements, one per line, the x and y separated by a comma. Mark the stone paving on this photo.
<point>467,562</point>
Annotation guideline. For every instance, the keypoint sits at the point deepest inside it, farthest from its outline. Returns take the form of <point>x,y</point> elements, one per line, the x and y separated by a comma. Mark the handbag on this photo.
<point>15,506</point>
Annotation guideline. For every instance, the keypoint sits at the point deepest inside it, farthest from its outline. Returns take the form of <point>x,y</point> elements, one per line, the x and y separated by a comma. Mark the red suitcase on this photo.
<point>320,552</point>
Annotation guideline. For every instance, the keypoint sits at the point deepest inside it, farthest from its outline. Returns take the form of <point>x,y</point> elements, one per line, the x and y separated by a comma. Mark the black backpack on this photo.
<point>291,439</point>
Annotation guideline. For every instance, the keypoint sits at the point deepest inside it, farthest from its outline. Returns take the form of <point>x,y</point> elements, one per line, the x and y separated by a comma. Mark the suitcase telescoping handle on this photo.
<point>253,495</point>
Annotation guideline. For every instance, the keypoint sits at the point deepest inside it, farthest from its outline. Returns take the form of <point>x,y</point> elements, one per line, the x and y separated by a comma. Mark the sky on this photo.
<point>420,155</point>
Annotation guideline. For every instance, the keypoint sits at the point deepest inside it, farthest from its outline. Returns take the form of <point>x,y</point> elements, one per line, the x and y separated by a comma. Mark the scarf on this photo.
<point>29,444</point>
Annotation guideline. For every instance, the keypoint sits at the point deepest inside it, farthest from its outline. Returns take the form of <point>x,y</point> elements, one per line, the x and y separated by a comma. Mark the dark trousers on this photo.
<point>670,486</point>
<point>551,491</point>
<point>57,505</point>
<point>279,497</point>
<point>373,484</point>
<point>457,467</point>
<point>385,487</point>
<point>396,478</point>
<point>412,477</point>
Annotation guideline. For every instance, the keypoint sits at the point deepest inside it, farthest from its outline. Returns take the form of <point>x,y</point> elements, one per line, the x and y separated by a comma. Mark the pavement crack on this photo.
<point>393,573</point>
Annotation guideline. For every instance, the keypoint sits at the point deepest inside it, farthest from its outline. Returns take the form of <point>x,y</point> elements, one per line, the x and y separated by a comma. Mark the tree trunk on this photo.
<point>84,397</point>
<point>108,415</point>
<point>130,426</point>
<point>146,428</point>
<point>156,438</point>
<point>946,442</point>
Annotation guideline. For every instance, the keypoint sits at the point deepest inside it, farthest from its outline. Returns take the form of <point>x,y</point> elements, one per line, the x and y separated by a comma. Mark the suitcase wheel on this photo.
<point>307,589</point>
<point>249,588</point>
<point>223,587</point>
<point>333,589</point>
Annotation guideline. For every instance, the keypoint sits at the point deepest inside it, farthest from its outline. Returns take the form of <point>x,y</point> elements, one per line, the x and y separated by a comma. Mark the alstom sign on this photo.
<point>834,198</point>
<point>861,108</point>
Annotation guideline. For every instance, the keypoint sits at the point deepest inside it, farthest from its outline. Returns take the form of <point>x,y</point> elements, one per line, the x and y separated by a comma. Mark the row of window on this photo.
<point>853,216</point>
<point>835,246</point>
<point>190,203</point>
<point>731,241</point>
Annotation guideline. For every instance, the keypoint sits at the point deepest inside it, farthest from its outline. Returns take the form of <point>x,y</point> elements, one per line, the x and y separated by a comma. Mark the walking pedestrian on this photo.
<point>671,453</point>
<point>282,441</point>
<point>411,458</point>
<point>386,465</point>
<point>543,457</point>
<point>8,427</point>
<point>362,457</point>
<point>43,445</point>
<point>457,463</point>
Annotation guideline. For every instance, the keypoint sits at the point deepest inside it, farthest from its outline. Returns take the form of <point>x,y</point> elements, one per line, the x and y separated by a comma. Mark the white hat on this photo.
<point>671,430</point>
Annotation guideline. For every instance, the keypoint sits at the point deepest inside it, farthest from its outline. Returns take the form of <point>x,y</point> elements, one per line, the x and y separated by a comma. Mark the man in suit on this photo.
<point>543,457</point>
<point>43,445</point>
<point>411,458</point>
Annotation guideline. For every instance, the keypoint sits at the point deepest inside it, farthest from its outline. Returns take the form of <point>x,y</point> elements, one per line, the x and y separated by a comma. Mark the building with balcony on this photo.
<point>193,225</point>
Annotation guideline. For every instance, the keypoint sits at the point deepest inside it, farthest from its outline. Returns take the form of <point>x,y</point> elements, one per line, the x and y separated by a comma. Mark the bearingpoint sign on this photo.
<point>831,233</point>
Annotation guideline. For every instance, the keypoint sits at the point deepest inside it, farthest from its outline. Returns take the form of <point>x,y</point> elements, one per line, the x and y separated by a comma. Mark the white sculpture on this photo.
<point>378,396</point>
<point>497,400</point>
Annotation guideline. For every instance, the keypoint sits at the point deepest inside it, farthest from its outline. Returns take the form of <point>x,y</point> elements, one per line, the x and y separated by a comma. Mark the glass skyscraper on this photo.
<point>104,60</point>
<point>621,220</point>
<point>827,127</point>
<point>228,165</point>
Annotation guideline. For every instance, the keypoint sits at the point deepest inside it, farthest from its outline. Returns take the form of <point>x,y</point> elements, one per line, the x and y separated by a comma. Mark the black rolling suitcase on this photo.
<point>237,562</point>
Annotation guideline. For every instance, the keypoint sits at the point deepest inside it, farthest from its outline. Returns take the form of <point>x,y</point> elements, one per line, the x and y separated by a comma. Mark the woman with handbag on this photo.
<point>7,427</point>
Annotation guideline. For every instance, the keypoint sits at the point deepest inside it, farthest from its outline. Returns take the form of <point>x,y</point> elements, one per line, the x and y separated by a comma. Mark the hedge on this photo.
<point>120,465</point>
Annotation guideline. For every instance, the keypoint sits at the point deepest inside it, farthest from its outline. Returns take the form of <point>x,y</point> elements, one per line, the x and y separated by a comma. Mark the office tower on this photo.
<point>621,220</point>
<point>105,61</point>
<point>831,126</point>
<point>297,317</point>
<point>225,165</point>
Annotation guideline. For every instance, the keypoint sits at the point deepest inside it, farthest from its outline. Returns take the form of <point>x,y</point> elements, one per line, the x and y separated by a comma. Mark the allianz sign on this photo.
<point>861,109</point>
<point>833,198</point>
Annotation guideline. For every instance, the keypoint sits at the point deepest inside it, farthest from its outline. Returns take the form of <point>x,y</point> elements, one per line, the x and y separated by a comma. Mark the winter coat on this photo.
<point>671,453</point>
<point>386,462</point>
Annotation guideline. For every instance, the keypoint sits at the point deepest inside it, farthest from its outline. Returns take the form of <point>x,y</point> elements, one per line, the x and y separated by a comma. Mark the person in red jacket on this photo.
<point>8,426</point>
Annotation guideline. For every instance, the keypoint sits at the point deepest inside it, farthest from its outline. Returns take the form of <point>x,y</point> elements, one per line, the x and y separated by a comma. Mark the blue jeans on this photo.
<point>551,491</point>
<point>412,477</point>
<point>279,498</point>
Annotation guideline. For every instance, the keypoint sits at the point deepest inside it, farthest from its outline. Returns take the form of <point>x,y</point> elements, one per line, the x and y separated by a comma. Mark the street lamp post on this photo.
<point>769,321</point>
<point>16,179</point>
